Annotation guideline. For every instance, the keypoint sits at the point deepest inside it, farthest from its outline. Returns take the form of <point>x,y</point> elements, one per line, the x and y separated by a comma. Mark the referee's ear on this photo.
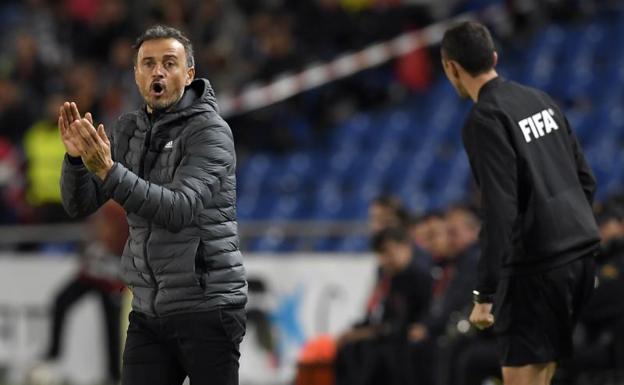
<point>495,61</point>
<point>454,68</point>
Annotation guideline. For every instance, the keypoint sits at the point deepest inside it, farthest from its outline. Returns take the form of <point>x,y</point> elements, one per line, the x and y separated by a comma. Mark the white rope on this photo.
<point>287,85</point>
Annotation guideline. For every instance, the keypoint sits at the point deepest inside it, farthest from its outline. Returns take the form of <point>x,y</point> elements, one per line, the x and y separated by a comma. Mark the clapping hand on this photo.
<point>82,139</point>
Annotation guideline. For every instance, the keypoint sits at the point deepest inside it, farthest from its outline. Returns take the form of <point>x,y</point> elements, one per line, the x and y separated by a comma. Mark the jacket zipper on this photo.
<point>142,172</point>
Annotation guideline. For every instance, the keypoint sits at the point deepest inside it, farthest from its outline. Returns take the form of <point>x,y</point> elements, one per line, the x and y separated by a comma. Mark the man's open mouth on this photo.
<point>157,88</point>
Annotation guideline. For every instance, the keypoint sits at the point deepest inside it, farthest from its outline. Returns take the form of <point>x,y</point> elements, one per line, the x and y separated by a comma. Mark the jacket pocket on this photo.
<point>234,323</point>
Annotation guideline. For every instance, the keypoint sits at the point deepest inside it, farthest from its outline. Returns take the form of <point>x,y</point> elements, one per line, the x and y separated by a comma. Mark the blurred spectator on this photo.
<point>15,113</point>
<point>435,238</point>
<point>463,230</point>
<point>99,274</point>
<point>414,70</point>
<point>454,279</point>
<point>376,350</point>
<point>83,86</point>
<point>453,288</point>
<point>220,26</point>
<point>44,21</point>
<point>96,25</point>
<point>274,45</point>
<point>80,48</point>
<point>386,212</point>
<point>27,67</point>
<point>418,230</point>
<point>11,184</point>
<point>118,89</point>
<point>44,154</point>
<point>602,349</point>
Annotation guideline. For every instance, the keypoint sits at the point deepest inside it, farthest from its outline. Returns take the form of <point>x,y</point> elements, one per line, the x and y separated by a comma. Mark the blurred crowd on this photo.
<point>415,328</point>
<point>81,50</point>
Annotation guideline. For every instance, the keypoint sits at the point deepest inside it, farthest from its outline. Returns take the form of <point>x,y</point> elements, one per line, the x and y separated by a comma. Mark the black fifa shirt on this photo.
<point>536,186</point>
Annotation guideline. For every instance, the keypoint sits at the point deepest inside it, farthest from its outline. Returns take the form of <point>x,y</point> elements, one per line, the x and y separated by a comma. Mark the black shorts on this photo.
<point>535,314</point>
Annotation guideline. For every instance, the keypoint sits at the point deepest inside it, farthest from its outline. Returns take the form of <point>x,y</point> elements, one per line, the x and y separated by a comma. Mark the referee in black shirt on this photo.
<point>539,235</point>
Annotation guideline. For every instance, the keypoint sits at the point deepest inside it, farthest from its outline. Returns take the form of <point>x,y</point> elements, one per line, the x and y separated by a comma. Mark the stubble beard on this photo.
<point>163,104</point>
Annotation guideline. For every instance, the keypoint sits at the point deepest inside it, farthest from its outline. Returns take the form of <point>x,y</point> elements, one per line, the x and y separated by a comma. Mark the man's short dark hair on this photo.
<point>396,234</point>
<point>470,44</point>
<point>165,32</point>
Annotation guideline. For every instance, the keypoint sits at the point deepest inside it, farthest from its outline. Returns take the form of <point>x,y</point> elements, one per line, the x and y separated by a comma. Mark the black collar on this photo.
<point>488,86</point>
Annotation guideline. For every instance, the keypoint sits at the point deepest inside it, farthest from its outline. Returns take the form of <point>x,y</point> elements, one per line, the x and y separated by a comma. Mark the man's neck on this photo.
<point>474,84</point>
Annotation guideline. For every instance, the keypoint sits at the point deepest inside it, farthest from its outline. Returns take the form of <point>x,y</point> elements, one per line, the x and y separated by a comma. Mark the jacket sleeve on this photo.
<point>493,161</point>
<point>81,191</point>
<point>208,157</point>
<point>585,174</point>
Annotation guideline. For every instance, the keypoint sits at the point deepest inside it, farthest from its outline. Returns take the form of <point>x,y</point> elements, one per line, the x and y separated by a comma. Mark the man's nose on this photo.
<point>158,70</point>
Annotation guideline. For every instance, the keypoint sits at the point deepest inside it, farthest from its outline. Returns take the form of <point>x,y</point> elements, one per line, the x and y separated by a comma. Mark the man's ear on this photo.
<point>455,68</point>
<point>495,59</point>
<point>190,75</point>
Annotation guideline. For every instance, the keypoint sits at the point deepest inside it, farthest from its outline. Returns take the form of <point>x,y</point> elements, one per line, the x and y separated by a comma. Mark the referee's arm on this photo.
<point>493,162</point>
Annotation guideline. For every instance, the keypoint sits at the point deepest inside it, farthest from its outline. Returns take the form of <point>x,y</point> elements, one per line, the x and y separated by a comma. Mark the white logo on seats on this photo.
<point>538,124</point>
<point>169,144</point>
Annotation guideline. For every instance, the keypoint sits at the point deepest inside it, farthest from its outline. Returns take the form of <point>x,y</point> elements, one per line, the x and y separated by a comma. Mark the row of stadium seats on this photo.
<point>414,151</point>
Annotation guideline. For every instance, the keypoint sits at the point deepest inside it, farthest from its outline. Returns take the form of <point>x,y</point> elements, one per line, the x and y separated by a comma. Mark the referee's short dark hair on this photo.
<point>165,32</point>
<point>470,44</point>
<point>396,234</point>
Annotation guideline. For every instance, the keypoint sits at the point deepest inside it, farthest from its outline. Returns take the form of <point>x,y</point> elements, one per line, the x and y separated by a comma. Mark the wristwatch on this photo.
<point>478,297</point>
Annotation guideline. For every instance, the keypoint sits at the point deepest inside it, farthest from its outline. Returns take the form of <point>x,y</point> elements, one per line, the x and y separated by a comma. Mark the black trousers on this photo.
<point>63,302</point>
<point>165,350</point>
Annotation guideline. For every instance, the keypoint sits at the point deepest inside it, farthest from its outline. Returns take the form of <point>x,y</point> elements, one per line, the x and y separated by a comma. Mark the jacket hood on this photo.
<point>198,96</point>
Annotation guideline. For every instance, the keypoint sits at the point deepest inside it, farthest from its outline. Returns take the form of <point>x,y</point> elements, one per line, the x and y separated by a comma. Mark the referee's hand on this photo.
<point>481,316</point>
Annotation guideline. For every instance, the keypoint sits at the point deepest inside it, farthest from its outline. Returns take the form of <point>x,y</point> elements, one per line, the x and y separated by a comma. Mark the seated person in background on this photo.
<point>12,205</point>
<point>384,212</point>
<point>418,232</point>
<point>471,355</point>
<point>430,233</point>
<point>375,352</point>
<point>430,240</point>
<point>454,274</point>
<point>602,347</point>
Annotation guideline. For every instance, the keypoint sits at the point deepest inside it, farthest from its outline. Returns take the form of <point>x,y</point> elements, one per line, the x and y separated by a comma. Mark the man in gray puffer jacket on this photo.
<point>171,165</point>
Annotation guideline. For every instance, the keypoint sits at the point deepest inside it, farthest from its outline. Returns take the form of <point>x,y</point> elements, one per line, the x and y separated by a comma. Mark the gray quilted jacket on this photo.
<point>174,174</point>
